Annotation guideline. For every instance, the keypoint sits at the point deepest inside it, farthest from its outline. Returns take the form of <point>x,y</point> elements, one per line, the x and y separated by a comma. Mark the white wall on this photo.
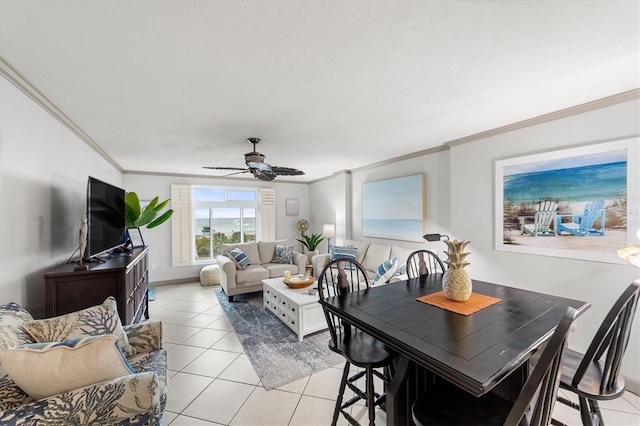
<point>159,239</point>
<point>460,204</point>
<point>43,185</point>
<point>472,218</point>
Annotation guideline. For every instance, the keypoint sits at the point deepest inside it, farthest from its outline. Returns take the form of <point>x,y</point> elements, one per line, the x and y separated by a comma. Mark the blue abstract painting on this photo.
<point>395,208</point>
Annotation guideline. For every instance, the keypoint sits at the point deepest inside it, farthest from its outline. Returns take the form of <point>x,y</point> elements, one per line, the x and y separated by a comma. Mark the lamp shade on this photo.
<point>329,230</point>
<point>435,237</point>
<point>631,254</point>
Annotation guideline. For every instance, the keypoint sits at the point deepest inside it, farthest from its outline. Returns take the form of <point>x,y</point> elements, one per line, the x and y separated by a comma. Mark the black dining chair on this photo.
<point>424,262</point>
<point>447,404</point>
<point>341,276</point>
<point>595,375</point>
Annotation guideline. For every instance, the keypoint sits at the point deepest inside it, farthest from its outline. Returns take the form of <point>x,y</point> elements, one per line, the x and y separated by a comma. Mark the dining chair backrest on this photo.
<point>424,262</point>
<point>544,379</point>
<point>340,276</point>
<point>611,338</point>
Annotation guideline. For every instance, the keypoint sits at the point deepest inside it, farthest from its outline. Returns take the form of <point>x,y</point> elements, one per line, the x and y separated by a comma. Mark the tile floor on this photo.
<point>212,382</point>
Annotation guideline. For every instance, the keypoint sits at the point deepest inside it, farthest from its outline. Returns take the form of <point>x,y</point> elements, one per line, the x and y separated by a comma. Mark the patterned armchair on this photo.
<point>135,399</point>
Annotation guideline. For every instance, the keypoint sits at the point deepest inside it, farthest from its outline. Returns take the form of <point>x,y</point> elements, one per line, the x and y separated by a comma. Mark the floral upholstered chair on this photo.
<point>80,368</point>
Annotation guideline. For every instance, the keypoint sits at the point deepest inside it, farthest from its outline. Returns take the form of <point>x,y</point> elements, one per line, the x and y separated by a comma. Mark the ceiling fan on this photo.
<point>256,165</point>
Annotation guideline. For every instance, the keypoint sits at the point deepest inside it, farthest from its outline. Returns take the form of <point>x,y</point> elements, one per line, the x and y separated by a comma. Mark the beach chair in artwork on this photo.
<point>543,218</point>
<point>584,224</point>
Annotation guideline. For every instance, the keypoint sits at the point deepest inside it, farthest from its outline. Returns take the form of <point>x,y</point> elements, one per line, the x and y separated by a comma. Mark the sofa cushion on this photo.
<point>11,396</point>
<point>385,271</point>
<point>362,248</point>
<point>250,249</point>
<point>46,369</point>
<point>376,254</point>
<point>277,269</point>
<point>267,250</point>
<point>239,258</point>
<point>12,332</point>
<point>401,253</point>
<point>251,274</point>
<point>100,319</point>
<point>284,254</point>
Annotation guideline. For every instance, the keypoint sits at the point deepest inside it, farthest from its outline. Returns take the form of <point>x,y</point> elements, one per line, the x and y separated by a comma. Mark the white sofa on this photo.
<point>370,256</point>
<point>261,267</point>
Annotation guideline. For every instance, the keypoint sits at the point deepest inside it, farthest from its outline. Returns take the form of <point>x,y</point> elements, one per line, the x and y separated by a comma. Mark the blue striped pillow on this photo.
<point>239,258</point>
<point>338,252</point>
<point>385,271</point>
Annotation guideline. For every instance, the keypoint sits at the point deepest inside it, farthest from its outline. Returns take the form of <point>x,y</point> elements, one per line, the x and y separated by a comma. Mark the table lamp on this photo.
<point>329,231</point>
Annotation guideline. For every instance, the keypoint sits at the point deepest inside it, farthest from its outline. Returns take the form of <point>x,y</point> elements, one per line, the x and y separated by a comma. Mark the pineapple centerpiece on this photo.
<point>456,282</point>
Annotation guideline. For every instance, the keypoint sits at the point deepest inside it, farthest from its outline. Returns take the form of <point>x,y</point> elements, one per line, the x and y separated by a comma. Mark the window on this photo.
<point>222,216</point>
<point>206,217</point>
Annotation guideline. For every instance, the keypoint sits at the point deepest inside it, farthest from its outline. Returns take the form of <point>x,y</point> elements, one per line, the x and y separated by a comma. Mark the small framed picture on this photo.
<point>136,237</point>
<point>291,207</point>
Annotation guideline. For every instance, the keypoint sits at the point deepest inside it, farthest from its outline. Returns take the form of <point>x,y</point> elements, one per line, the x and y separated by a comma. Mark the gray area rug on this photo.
<point>272,347</point>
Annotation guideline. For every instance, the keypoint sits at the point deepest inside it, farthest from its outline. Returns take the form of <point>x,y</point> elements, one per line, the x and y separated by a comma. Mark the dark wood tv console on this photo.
<point>125,277</point>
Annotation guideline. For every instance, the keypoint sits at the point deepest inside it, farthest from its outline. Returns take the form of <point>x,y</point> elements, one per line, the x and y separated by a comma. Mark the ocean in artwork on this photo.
<point>394,229</point>
<point>567,185</point>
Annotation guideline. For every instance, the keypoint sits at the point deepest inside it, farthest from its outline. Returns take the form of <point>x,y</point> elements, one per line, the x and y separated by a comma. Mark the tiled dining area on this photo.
<point>212,382</point>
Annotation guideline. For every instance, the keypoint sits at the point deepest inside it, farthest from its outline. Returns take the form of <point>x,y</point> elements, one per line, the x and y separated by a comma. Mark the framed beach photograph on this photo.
<point>395,209</point>
<point>580,203</point>
<point>291,207</point>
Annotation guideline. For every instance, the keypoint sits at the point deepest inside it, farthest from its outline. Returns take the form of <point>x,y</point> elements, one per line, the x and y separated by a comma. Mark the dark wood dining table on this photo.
<point>486,351</point>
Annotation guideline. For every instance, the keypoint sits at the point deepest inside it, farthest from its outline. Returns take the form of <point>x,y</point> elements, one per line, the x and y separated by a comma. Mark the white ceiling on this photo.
<point>171,86</point>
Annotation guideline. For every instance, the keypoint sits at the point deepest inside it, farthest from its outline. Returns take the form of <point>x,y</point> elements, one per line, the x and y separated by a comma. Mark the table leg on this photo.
<point>398,407</point>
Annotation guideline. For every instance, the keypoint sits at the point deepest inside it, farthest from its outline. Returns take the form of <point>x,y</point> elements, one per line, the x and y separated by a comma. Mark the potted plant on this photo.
<point>137,217</point>
<point>311,242</point>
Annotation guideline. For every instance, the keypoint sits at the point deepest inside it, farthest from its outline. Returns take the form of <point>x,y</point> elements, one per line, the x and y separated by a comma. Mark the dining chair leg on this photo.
<point>343,384</point>
<point>371,398</point>
<point>590,412</point>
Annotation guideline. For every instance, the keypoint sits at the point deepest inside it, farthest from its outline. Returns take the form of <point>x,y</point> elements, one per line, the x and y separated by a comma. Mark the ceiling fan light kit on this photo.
<point>257,166</point>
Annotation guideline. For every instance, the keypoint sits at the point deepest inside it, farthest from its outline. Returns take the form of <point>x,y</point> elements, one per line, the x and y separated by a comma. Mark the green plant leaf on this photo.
<point>131,200</point>
<point>159,221</point>
<point>311,241</point>
<point>135,217</point>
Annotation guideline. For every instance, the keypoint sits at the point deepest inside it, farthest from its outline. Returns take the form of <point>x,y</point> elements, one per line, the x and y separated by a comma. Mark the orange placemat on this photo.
<point>475,303</point>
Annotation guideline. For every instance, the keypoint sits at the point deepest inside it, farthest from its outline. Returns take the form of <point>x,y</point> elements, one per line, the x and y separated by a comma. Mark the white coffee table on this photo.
<point>295,307</point>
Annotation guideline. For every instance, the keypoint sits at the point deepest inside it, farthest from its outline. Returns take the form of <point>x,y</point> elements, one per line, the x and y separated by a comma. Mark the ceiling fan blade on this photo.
<point>236,173</point>
<point>225,168</point>
<point>286,171</point>
<point>267,175</point>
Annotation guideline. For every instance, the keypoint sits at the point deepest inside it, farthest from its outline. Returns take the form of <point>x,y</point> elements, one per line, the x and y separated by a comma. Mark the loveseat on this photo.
<point>235,279</point>
<point>137,398</point>
<point>370,256</point>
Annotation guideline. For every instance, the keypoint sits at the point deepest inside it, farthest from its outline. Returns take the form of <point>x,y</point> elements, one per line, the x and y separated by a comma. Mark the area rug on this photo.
<point>271,346</point>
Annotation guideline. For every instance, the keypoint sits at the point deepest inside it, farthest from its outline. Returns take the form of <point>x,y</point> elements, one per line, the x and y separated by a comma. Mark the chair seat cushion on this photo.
<point>590,384</point>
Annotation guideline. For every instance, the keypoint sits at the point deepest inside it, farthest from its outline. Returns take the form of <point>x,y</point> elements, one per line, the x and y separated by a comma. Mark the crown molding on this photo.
<point>619,98</point>
<point>28,89</point>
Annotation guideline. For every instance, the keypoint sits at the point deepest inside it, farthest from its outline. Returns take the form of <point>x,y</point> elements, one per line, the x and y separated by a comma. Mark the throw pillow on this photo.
<point>100,319</point>
<point>402,270</point>
<point>385,271</point>
<point>239,258</point>
<point>46,369</point>
<point>12,319</point>
<point>338,252</point>
<point>284,254</point>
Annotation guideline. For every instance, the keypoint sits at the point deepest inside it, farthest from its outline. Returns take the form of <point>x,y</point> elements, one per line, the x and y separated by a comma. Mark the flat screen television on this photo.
<point>105,217</point>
